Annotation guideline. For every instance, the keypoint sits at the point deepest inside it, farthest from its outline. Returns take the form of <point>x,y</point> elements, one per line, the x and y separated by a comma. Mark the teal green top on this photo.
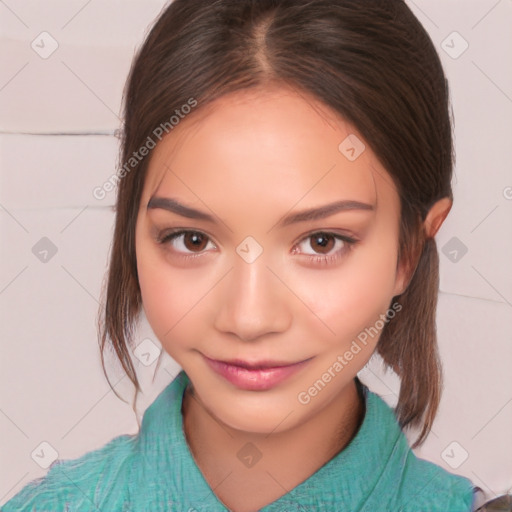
<point>155,471</point>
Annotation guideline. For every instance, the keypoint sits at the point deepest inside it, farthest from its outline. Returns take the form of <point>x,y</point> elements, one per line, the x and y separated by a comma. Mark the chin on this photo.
<point>254,422</point>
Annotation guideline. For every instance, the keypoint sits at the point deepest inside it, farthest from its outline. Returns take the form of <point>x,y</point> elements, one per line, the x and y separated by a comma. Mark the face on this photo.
<point>267,255</point>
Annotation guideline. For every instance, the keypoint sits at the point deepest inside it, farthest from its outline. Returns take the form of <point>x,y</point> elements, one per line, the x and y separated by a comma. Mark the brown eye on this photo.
<point>323,247</point>
<point>194,241</point>
<point>322,243</point>
<point>186,242</point>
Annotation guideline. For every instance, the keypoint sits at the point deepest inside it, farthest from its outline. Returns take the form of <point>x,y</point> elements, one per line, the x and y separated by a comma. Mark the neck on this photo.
<point>289,456</point>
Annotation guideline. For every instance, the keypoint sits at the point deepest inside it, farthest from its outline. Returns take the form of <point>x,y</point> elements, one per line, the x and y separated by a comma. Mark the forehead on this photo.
<point>276,143</point>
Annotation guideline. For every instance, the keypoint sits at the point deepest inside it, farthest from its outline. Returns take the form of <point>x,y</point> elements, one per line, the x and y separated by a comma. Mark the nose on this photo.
<point>253,302</point>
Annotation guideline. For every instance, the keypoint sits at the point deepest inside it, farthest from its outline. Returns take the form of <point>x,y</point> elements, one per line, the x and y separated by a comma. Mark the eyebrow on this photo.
<point>174,206</point>
<point>325,211</point>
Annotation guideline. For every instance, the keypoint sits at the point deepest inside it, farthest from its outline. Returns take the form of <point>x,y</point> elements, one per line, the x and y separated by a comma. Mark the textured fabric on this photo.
<point>154,471</point>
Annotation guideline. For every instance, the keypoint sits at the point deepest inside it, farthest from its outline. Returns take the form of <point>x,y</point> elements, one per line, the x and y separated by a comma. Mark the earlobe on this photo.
<point>401,280</point>
<point>431,225</point>
<point>436,216</point>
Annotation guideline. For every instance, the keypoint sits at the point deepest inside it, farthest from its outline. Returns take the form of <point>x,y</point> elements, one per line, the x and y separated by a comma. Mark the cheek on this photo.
<point>353,295</point>
<point>164,296</point>
<point>173,299</point>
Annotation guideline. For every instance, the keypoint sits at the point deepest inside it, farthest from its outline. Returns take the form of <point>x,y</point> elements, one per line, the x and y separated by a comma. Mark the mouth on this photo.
<point>255,376</point>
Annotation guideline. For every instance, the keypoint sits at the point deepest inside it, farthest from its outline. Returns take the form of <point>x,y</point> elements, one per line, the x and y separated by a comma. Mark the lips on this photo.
<point>257,376</point>
<point>263,365</point>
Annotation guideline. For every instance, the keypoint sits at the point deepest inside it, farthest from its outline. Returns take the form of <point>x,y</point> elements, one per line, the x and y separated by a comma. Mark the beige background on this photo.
<point>58,117</point>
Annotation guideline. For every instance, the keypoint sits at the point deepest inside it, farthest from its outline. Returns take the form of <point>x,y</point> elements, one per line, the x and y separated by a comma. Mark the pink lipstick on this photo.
<point>255,376</point>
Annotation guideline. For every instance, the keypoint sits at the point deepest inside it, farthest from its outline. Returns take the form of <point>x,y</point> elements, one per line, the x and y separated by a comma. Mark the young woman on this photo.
<point>285,168</point>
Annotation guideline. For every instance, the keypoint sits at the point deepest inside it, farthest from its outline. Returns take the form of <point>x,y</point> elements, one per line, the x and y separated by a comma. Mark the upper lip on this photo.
<point>257,365</point>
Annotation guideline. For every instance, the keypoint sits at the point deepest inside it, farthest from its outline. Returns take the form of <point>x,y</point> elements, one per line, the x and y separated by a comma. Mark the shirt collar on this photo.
<point>338,483</point>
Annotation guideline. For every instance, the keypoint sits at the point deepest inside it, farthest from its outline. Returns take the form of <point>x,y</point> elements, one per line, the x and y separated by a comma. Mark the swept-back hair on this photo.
<point>373,64</point>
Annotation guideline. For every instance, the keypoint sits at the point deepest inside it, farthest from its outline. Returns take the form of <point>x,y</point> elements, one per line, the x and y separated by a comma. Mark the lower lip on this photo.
<point>254,380</point>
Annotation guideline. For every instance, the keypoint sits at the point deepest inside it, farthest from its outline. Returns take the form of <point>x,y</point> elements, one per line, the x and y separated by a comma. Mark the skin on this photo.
<point>248,160</point>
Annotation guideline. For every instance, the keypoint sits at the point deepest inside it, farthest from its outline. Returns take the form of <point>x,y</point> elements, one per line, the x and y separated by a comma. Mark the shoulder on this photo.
<point>117,475</point>
<point>80,484</point>
<point>413,484</point>
<point>427,486</point>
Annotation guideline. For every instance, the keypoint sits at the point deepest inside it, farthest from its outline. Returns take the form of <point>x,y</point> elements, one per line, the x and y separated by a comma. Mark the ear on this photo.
<point>433,221</point>
<point>436,215</point>
<point>402,277</point>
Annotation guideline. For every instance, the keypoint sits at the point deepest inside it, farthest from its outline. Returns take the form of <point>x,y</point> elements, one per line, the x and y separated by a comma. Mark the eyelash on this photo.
<point>349,242</point>
<point>329,259</point>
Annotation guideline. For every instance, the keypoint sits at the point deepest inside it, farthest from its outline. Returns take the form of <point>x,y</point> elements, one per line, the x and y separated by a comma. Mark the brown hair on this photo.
<point>372,63</point>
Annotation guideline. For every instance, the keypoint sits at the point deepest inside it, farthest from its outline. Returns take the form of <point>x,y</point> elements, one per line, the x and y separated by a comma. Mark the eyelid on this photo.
<point>345,235</point>
<point>330,258</point>
<point>161,234</point>
<point>164,237</point>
